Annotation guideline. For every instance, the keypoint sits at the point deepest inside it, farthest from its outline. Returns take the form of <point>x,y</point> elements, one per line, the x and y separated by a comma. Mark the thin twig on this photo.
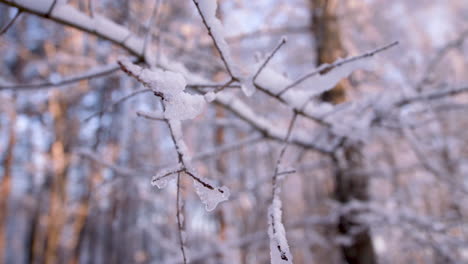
<point>276,187</point>
<point>91,74</point>
<point>280,44</point>
<point>432,95</point>
<point>150,26</point>
<point>91,8</point>
<point>9,24</point>
<point>431,65</point>
<point>270,32</point>
<point>282,152</point>
<point>328,67</point>
<point>51,8</point>
<point>216,86</point>
<point>152,116</point>
<point>180,224</point>
<point>124,98</point>
<point>220,88</point>
<point>215,42</point>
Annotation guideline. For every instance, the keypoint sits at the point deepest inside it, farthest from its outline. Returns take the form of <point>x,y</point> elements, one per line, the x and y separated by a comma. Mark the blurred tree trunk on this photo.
<point>61,160</point>
<point>5,184</point>
<point>348,186</point>
<point>83,217</point>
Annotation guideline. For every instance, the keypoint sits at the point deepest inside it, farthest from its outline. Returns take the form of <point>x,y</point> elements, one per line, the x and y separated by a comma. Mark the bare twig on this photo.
<point>215,86</point>
<point>328,67</point>
<point>124,98</point>
<point>93,73</point>
<point>10,23</point>
<point>152,116</point>
<point>150,26</point>
<point>280,44</point>
<point>180,224</point>
<point>432,95</point>
<point>51,8</point>
<point>215,42</point>
<point>287,30</point>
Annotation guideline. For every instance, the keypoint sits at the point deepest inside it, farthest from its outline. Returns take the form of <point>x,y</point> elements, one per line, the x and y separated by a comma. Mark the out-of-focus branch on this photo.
<point>150,26</point>
<point>91,74</point>
<point>180,221</point>
<point>220,47</point>
<point>328,67</point>
<point>270,32</point>
<point>68,15</point>
<point>10,23</point>
<point>432,95</point>
<point>121,100</point>
<point>431,65</point>
<point>268,58</point>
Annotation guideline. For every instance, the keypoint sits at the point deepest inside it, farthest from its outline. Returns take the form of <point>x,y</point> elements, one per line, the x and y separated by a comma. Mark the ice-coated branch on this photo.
<point>279,248</point>
<point>431,65</point>
<point>177,105</point>
<point>151,115</point>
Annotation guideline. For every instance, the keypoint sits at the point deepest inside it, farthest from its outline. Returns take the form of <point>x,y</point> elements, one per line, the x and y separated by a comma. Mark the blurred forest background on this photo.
<point>77,153</point>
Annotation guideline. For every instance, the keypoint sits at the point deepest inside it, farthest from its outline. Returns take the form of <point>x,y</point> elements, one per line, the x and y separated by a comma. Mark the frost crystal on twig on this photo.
<point>211,197</point>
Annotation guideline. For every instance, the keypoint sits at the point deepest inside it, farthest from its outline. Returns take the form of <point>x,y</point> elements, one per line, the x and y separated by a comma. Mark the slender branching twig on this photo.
<point>260,69</point>
<point>151,23</point>
<point>121,100</point>
<point>180,223</point>
<point>328,67</point>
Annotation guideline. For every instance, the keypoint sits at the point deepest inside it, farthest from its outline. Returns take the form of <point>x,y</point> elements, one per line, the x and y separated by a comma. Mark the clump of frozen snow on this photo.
<point>179,104</point>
